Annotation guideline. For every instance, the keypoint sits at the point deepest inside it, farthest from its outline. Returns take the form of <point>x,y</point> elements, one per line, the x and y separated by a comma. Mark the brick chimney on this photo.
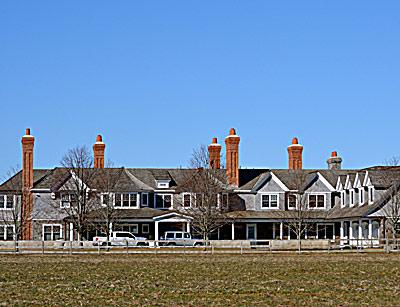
<point>28,142</point>
<point>214,154</point>
<point>334,162</point>
<point>295,155</point>
<point>232,157</point>
<point>98,150</point>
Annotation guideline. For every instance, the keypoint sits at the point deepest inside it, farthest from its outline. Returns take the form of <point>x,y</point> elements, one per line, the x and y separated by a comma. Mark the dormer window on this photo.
<point>292,201</point>
<point>361,196</point>
<point>352,197</point>
<point>187,200</point>
<point>162,183</point>
<point>371,194</point>
<point>343,198</point>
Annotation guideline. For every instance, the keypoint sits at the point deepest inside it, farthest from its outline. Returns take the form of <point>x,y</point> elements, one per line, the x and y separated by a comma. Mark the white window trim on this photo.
<point>5,226</point>
<point>183,199</point>
<point>269,208</point>
<point>141,200</point>
<point>342,199</point>
<point>361,196</point>
<point>316,208</point>
<point>297,202</point>
<point>52,232</point>
<point>352,200</point>
<point>255,231</point>
<point>5,202</point>
<point>371,191</point>
<point>163,195</point>
<point>137,206</point>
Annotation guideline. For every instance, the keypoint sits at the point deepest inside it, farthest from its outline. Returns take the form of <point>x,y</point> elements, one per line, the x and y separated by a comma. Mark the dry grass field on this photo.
<point>277,279</point>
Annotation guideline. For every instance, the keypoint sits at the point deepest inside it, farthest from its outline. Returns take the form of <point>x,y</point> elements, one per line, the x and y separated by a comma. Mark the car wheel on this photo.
<point>198,244</point>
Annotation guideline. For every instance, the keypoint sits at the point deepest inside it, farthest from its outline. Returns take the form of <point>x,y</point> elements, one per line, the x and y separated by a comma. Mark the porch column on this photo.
<point>281,231</point>
<point>350,230</point>
<point>369,229</point>
<point>188,227</point>
<point>71,231</point>
<point>233,231</point>
<point>341,230</point>
<point>360,232</point>
<point>110,227</point>
<point>156,231</point>
<point>273,231</point>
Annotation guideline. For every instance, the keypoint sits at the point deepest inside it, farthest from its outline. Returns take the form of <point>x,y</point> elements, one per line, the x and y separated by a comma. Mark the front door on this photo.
<point>251,232</point>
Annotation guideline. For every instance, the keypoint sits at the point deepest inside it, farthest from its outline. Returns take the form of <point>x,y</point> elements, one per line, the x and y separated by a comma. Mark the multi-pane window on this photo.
<point>6,202</point>
<point>52,232</point>
<point>316,201</point>
<point>126,200</point>
<point>67,199</point>
<point>163,200</point>
<point>269,201</point>
<point>132,228</point>
<point>292,201</point>
<point>6,232</point>
<point>145,199</point>
<point>224,199</point>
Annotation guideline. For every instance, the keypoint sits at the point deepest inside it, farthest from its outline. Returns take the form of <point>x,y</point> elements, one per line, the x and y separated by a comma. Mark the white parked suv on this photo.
<point>179,238</point>
<point>120,238</point>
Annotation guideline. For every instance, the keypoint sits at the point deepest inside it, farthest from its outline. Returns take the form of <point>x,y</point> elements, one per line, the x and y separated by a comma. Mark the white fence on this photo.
<point>193,247</point>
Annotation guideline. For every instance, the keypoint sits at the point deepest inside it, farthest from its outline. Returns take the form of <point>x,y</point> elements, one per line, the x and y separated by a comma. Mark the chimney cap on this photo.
<point>99,139</point>
<point>295,141</point>
<point>28,133</point>
<point>215,142</point>
<point>334,154</point>
<point>232,134</point>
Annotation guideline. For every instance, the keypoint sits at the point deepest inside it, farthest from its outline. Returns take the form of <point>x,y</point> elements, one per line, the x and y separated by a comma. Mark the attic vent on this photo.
<point>163,184</point>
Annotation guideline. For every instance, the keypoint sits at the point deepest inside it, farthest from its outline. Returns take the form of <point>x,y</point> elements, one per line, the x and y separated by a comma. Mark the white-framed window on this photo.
<point>7,232</point>
<point>186,200</point>
<point>145,199</point>
<point>361,196</point>
<point>223,200</point>
<point>163,201</point>
<point>67,199</point>
<point>107,199</point>
<point>269,201</point>
<point>51,232</point>
<point>316,201</point>
<point>371,194</point>
<point>145,228</point>
<point>7,202</point>
<point>343,198</point>
<point>126,200</point>
<point>292,201</point>
<point>352,197</point>
<point>132,228</point>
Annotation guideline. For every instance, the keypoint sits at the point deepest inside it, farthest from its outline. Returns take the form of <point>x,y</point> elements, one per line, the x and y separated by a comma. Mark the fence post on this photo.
<point>42,247</point>
<point>127,245</point>
<point>98,249</point>
<point>212,249</point>
<point>241,247</point>
<point>70,247</point>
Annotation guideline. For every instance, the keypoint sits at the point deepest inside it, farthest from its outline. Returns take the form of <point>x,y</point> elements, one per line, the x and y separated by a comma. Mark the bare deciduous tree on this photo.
<point>13,216</point>
<point>107,214</point>
<point>299,220</point>
<point>206,201</point>
<point>82,200</point>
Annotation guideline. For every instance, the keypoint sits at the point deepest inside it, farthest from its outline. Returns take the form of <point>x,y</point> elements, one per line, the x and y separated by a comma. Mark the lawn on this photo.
<point>277,279</point>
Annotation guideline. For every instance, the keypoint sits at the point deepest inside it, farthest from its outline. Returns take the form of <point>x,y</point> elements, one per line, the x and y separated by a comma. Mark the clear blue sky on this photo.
<point>159,78</point>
